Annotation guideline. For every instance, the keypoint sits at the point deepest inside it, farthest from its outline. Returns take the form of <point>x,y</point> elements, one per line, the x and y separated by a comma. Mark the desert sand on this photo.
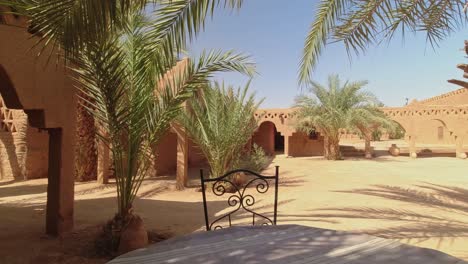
<point>422,202</point>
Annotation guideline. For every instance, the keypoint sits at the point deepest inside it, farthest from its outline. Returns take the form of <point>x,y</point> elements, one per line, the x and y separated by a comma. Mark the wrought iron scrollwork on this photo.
<point>239,199</point>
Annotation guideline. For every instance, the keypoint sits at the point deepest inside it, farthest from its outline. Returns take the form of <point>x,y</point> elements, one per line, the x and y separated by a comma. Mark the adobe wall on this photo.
<point>422,123</point>
<point>457,97</point>
<point>24,156</point>
<point>13,145</point>
<point>265,137</point>
<point>300,145</point>
<point>24,150</point>
<point>38,153</point>
<point>12,151</point>
<point>47,95</point>
<point>434,132</point>
<point>166,151</point>
<point>195,155</point>
<point>166,154</point>
<point>425,122</point>
<point>296,144</point>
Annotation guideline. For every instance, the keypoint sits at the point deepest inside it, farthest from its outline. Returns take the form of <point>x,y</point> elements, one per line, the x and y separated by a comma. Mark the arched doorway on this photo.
<point>434,131</point>
<point>16,118</point>
<point>269,138</point>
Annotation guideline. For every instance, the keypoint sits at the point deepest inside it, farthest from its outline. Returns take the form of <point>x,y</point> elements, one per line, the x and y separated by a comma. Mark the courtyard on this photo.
<point>421,202</point>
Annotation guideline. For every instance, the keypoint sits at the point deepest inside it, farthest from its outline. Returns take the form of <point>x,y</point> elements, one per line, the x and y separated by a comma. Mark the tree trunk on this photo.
<point>85,150</point>
<point>368,148</point>
<point>334,149</point>
<point>326,147</point>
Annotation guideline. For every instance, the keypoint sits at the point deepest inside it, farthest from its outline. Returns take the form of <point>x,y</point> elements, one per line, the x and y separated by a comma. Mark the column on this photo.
<point>287,148</point>
<point>60,187</point>
<point>412,147</point>
<point>459,147</point>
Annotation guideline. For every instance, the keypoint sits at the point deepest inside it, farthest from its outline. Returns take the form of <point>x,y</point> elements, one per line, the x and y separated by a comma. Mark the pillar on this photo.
<point>60,187</point>
<point>368,148</point>
<point>286,145</point>
<point>459,147</point>
<point>182,160</point>
<point>412,147</point>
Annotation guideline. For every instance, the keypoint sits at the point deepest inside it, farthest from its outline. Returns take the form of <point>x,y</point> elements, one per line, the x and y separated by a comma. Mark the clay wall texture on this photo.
<point>195,155</point>
<point>265,137</point>
<point>440,120</point>
<point>23,150</point>
<point>42,88</point>
<point>166,154</point>
<point>457,97</point>
<point>300,145</point>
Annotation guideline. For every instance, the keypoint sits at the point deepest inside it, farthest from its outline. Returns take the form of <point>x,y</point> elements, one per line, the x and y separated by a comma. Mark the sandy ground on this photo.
<point>422,202</point>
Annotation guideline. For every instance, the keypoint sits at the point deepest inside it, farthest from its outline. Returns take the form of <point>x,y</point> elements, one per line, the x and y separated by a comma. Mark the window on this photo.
<point>440,133</point>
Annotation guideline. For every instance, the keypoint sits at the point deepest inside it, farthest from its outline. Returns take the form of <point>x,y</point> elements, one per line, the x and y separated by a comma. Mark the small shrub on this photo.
<point>256,160</point>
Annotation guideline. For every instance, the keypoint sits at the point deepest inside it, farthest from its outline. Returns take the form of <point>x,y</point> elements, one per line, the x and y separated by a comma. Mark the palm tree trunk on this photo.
<point>326,147</point>
<point>85,151</point>
<point>334,149</point>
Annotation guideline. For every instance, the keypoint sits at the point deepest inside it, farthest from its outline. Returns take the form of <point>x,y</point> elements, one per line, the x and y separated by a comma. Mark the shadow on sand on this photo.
<point>450,222</point>
<point>11,191</point>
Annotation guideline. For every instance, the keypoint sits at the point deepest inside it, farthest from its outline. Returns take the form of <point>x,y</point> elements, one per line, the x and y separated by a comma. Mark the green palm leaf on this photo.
<point>361,23</point>
<point>220,120</point>
<point>336,107</point>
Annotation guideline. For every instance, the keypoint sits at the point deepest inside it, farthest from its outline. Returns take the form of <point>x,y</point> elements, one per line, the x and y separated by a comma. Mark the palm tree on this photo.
<point>120,76</point>
<point>359,24</point>
<point>70,25</point>
<point>135,94</point>
<point>221,121</point>
<point>127,66</point>
<point>338,107</point>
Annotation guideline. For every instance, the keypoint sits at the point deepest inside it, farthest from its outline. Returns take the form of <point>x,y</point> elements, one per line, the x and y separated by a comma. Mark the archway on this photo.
<point>59,214</point>
<point>269,138</point>
<point>434,131</point>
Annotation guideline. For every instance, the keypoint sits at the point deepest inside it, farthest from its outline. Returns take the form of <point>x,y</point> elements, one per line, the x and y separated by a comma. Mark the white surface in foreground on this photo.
<point>291,244</point>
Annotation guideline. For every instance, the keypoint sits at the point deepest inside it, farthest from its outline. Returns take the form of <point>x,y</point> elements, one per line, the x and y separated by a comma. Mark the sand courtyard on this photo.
<point>423,202</point>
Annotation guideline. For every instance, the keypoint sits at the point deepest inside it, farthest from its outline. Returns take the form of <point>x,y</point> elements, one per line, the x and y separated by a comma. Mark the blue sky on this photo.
<point>273,33</point>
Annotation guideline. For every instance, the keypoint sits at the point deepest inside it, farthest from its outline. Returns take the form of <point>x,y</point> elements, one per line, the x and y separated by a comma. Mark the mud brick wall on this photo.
<point>23,150</point>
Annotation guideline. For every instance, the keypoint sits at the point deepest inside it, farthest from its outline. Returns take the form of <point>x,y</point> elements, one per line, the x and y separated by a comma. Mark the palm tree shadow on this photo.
<point>449,223</point>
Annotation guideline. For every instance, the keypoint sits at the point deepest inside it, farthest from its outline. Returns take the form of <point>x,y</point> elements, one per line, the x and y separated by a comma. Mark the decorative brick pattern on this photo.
<point>23,150</point>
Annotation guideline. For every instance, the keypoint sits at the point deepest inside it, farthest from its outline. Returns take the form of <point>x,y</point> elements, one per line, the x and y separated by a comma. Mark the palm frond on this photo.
<point>221,122</point>
<point>359,24</point>
<point>325,20</point>
<point>339,106</point>
<point>136,93</point>
<point>67,25</point>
